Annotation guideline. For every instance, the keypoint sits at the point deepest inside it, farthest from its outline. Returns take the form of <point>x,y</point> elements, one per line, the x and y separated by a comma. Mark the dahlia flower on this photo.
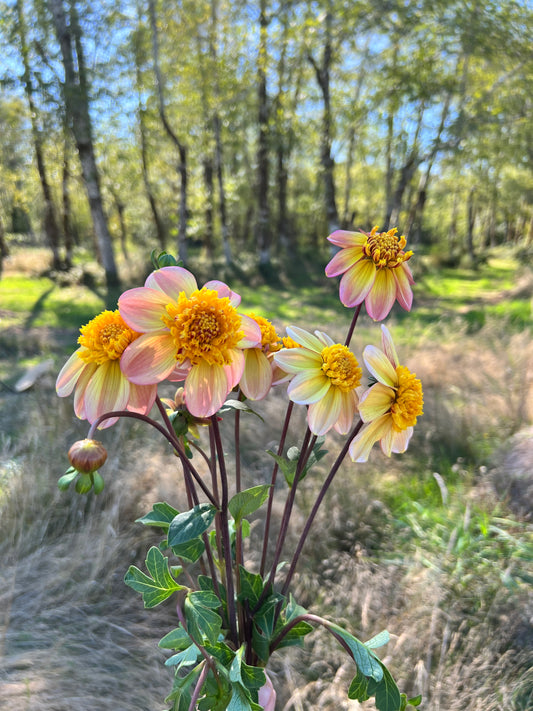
<point>188,334</point>
<point>326,375</point>
<point>94,372</point>
<point>374,268</point>
<point>391,406</point>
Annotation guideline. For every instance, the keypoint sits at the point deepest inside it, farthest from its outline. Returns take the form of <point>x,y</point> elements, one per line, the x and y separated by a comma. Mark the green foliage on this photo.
<point>289,463</point>
<point>158,585</point>
<point>248,501</point>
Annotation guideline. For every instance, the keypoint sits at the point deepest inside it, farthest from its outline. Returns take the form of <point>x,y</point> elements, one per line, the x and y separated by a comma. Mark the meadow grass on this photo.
<point>433,545</point>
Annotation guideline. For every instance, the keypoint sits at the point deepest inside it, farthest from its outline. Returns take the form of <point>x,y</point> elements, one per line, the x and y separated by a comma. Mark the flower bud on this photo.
<point>87,455</point>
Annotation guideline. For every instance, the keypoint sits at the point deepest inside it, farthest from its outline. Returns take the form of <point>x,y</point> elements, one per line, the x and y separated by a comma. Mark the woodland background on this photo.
<point>237,135</point>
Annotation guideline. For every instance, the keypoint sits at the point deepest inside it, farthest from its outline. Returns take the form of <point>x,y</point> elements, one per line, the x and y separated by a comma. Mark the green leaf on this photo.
<point>159,586</point>
<point>84,484</point>
<point>415,701</point>
<point>358,687</point>
<point>241,700</point>
<point>181,691</point>
<point>161,516</point>
<point>248,676</point>
<point>238,405</point>
<point>175,639</point>
<point>251,587</point>
<point>190,550</point>
<point>190,524</point>
<point>202,620</point>
<point>184,658</point>
<point>379,640</point>
<point>366,662</point>
<point>288,467</point>
<point>246,502</point>
<point>385,691</point>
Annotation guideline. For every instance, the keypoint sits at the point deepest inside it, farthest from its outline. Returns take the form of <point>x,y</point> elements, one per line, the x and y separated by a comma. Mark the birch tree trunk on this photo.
<point>263,209</point>
<point>76,97</point>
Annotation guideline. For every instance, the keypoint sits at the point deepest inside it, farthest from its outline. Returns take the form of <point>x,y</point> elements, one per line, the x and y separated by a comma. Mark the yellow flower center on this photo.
<point>289,342</point>
<point>341,367</point>
<point>204,326</point>
<point>105,338</point>
<point>386,248</point>
<point>270,341</point>
<point>409,400</point>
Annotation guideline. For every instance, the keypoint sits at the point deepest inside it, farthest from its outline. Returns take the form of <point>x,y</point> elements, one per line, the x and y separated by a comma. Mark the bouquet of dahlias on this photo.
<point>231,618</point>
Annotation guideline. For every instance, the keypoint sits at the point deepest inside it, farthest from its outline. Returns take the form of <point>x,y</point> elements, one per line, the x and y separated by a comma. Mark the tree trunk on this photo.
<point>471,219</point>
<point>263,208</point>
<point>49,222</point>
<point>322,73</point>
<point>4,251</point>
<point>67,217</point>
<point>159,225</point>
<point>77,106</point>
<point>182,150</point>
<point>209,204</point>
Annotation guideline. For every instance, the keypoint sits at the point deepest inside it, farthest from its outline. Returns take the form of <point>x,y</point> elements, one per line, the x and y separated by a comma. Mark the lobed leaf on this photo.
<point>190,524</point>
<point>156,587</point>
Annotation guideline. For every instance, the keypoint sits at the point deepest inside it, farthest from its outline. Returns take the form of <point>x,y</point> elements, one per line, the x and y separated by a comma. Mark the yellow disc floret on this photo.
<point>204,326</point>
<point>105,338</point>
<point>341,367</point>
<point>409,401</point>
<point>270,341</point>
<point>386,248</point>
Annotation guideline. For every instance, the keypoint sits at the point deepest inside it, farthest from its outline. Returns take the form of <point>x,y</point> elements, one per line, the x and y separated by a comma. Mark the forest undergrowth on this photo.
<point>436,547</point>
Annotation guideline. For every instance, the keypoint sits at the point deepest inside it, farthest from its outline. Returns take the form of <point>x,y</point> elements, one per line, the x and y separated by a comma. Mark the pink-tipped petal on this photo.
<point>347,413</point>
<point>357,282</point>
<point>142,398</point>
<point>381,297</point>
<point>107,390</point>
<point>235,369</point>
<point>172,281</point>
<point>375,402</point>
<point>149,359</point>
<point>400,440</point>
<point>343,260</point>
<point>362,444</point>
<point>69,374</point>
<point>306,388</point>
<point>380,366</point>
<point>79,395</point>
<point>388,347</point>
<point>257,376</point>
<point>180,372</point>
<point>322,415</point>
<point>223,290</point>
<point>252,333</point>
<point>404,293</point>
<point>292,360</point>
<point>305,339</point>
<point>343,238</point>
<point>206,388</point>
<point>142,308</point>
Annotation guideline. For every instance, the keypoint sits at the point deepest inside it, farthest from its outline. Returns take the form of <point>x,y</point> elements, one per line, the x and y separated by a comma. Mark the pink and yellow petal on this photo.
<point>375,402</point>
<point>308,387</point>
<point>380,366</point>
<point>400,440</point>
<point>149,359</point>
<point>252,333</point>
<point>106,391</point>
<point>362,444</point>
<point>294,360</point>
<point>343,260</point>
<point>79,395</point>
<point>223,290</point>
<point>381,297</point>
<point>388,347</point>
<point>322,415</point>
<point>305,339</point>
<point>357,282</point>
<point>404,293</point>
<point>171,281</point>
<point>206,388</point>
<point>69,374</point>
<point>256,379</point>
<point>345,239</point>
<point>235,369</point>
<point>349,401</point>
<point>142,308</point>
<point>142,398</point>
